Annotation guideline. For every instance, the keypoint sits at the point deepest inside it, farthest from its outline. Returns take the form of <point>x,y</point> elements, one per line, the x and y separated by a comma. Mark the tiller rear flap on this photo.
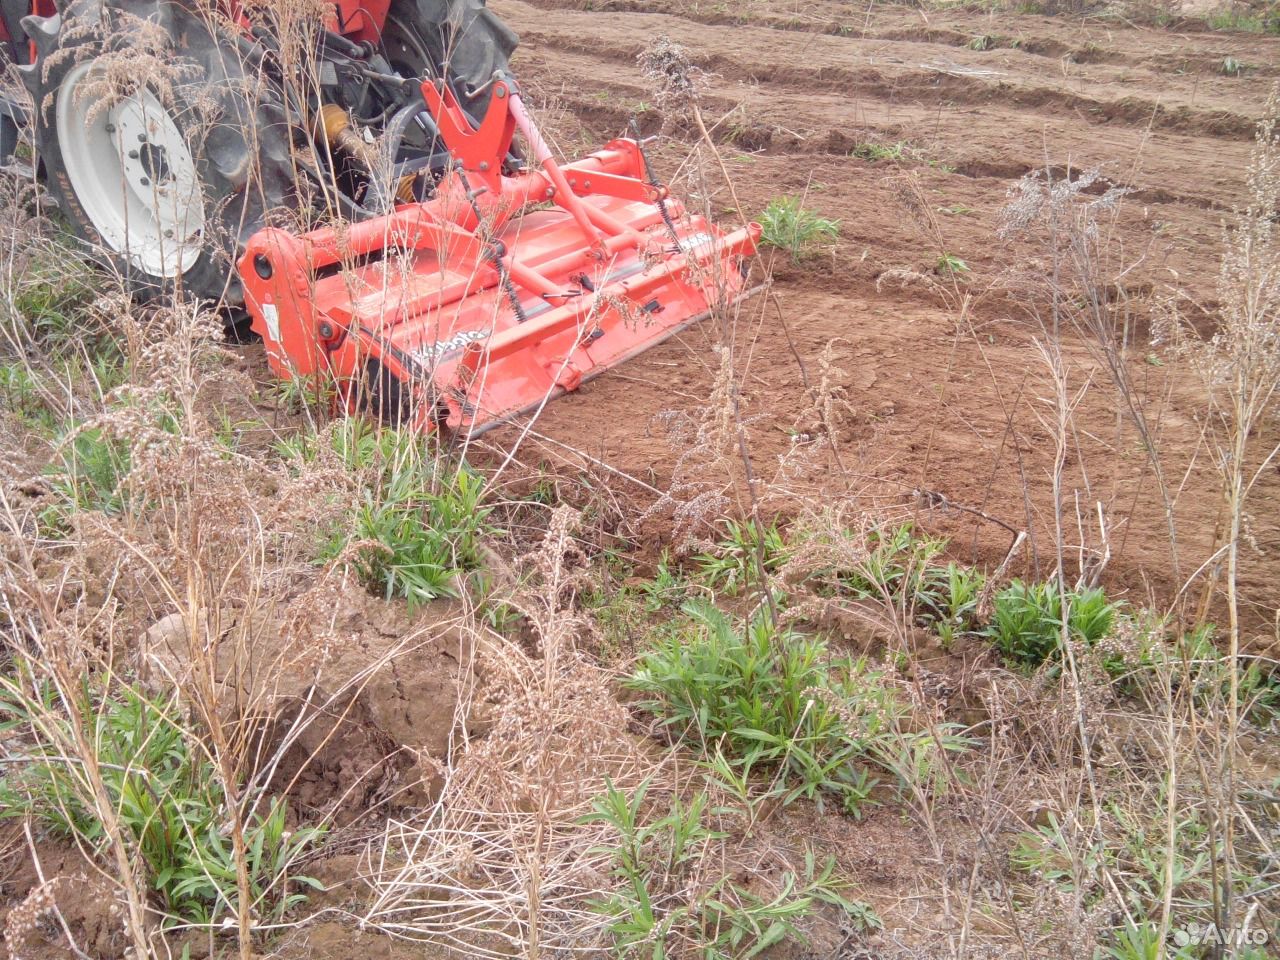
<point>502,290</point>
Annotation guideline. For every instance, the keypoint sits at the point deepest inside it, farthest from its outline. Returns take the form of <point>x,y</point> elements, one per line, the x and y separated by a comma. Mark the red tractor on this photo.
<point>366,182</point>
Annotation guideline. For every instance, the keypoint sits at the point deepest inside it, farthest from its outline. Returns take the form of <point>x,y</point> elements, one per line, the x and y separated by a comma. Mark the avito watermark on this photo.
<point>1208,934</point>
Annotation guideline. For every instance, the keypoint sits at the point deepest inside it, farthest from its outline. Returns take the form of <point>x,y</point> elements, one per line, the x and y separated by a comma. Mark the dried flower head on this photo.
<point>675,80</point>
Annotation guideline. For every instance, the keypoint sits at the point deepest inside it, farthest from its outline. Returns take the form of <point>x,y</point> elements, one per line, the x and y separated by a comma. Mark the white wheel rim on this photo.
<point>133,175</point>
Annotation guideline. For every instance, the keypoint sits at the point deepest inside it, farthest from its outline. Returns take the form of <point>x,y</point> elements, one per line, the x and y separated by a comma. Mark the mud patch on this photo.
<point>383,714</point>
<point>72,890</point>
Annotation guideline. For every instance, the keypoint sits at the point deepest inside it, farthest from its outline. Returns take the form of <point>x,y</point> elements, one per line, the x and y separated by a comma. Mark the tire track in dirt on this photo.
<point>927,82</point>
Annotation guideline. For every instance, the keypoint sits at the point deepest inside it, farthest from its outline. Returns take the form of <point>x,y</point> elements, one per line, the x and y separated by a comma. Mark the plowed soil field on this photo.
<point>910,128</point>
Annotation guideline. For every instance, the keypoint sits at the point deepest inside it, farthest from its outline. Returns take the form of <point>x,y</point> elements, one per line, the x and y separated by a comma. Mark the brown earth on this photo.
<point>57,877</point>
<point>956,409</point>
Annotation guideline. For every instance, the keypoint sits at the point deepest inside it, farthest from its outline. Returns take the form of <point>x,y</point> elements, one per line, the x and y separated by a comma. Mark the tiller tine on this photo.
<point>500,292</point>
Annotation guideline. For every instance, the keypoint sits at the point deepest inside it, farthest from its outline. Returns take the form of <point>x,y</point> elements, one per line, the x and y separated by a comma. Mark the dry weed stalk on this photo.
<point>182,590</point>
<point>1239,367</point>
<point>1181,758</point>
<point>500,861</point>
<point>48,637</point>
<point>1085,280</point>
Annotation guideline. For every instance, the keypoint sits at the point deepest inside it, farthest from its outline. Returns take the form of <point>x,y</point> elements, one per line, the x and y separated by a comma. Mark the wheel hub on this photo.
<point>152,158</point>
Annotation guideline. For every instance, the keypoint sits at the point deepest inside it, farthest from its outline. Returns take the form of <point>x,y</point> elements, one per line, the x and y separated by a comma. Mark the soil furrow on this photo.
<point>939,83</point>
<point>1114,44</point>
<point>757,120</point>
<point>836,150</point>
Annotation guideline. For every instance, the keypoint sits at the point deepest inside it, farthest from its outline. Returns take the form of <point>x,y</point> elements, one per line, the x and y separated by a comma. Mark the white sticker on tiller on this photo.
<point>434,351</point>
<point>272,317</point>
<point>695,240</point>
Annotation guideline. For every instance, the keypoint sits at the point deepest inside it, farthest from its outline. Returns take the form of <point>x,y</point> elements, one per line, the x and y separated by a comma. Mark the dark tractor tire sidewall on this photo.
<point>464,37</point>
<point>233,210</point>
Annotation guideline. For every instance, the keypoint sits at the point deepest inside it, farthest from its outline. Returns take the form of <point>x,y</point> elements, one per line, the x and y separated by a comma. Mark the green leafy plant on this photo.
<point>900,568</point>
<point>414,537</point>
<point>1055,853</point>
<point>950,265</point>
<point>791,227</point>
<point>662,892</point>
<point>958,609</point>
<point>230,433</point>
<point>1244,20</point>
<point>88,474</point>
<point>91,465</point>
<point>357,443</point>
<point>668,586</point>
<point>1026,624</point>
<point>1141,851</point>
<point>50,298</point>
<point>746,924</point>
<point>164,791</point>
<point>417,525</point>
<point>1203,664</point>
<point>295,394</point>
<point>1231,67</point>
<point>1026,621</point>
<point>1134,853</point>
<point>877,152</point>
<point>22,394</point>
<point>734,562</point>
<point>662,848</point>
<point>1138,942</point>
<point>770,700</point>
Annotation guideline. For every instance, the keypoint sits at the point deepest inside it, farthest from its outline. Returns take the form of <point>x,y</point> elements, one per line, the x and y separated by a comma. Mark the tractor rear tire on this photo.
<point>163,178</point>
<point>463,40</point>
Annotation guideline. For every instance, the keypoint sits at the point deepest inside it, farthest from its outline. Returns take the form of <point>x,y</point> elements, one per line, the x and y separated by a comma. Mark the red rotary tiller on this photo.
<point>510,285</point>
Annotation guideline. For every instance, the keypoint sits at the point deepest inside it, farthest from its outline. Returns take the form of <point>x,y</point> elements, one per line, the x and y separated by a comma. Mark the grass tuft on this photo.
<point>1026,624</point>
<point>164,792</point>
<point>418,518</point>
<point>768,699</point>
<point>797,230</point>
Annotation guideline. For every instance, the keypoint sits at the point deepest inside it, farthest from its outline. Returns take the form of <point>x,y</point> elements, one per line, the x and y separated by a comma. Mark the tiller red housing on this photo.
<point>501,291</point>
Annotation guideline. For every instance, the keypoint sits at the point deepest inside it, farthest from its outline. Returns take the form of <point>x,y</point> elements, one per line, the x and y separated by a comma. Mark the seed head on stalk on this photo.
<point>675,80</point>
<point>677,83</point>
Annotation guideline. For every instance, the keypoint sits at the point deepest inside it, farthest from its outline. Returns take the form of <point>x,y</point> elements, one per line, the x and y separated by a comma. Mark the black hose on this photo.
<point>348,48</point>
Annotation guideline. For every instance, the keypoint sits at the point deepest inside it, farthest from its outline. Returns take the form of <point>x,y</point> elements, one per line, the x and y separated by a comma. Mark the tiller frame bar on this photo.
<point>503,290</point>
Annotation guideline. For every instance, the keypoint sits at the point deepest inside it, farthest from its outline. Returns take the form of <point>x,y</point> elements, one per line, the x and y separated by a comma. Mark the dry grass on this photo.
<point>501,862</point>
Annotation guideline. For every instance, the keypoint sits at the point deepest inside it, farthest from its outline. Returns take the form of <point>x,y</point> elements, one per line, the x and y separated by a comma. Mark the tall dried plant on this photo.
<point>1239,368</point>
